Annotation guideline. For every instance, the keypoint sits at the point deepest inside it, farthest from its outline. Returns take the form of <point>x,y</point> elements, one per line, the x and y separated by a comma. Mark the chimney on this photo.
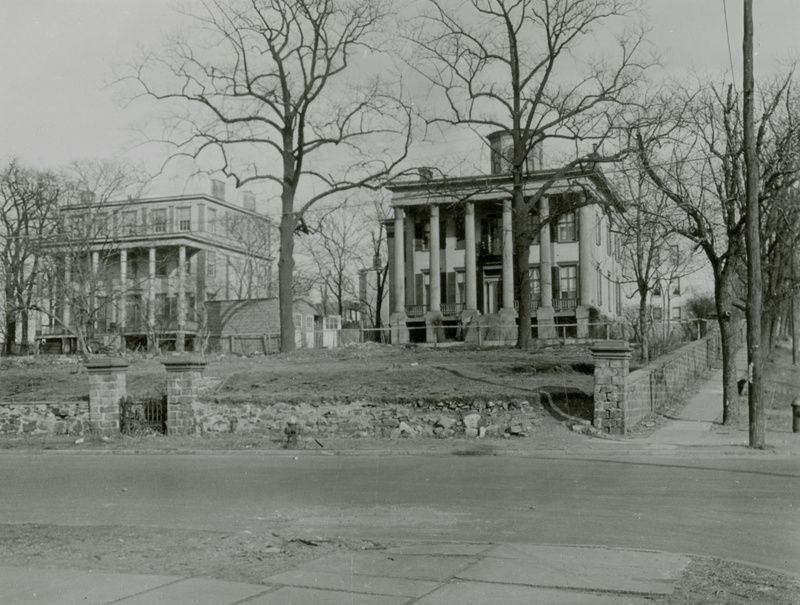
<point>425,173</point>
<point>502,152</point>
<point>218,189</point>
<point>86,196</point>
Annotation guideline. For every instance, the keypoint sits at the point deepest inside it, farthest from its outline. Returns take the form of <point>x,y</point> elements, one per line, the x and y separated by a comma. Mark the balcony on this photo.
<point>413,311</point>
<point>452,309</point>
<point>565,304</point>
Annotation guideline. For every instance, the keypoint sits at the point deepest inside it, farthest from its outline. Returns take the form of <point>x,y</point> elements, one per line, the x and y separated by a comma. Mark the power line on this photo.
<point>728,36</point>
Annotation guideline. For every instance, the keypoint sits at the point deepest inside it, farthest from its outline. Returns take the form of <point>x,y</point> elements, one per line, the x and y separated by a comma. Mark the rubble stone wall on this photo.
<point>45,418</point>
<point>363,418</point>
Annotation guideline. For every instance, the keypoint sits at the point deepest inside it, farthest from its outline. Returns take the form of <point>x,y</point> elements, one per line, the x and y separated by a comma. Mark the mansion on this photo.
<point>138,273</point>
<point>452,260</point>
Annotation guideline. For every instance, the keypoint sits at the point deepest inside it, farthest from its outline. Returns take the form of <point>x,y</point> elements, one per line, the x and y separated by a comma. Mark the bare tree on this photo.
<point>272,92</point>
<point>652,259</point>
<point>336,249</point>
<point>698,164</point>
<point>502,64</point>
<point>28,202</point>
<point>80,248</point>
<point>373,301</point>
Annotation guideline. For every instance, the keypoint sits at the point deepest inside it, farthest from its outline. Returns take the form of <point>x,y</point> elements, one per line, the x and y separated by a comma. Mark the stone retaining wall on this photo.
<point>622,399</point>
<point>653,388</point>
<point>363,418</point>
<point>44,418</point>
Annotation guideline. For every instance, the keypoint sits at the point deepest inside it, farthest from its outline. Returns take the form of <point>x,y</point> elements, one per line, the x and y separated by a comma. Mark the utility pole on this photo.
<point>755,401</point>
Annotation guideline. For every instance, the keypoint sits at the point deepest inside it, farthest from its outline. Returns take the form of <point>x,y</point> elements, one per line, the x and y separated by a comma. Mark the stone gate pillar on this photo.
<point>107,385</point>
<point>184,375</point>
<point>611,368</point>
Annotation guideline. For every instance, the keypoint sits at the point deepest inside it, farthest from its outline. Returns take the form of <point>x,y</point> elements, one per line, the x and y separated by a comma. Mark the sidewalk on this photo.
<point>692,429</point>
<point>424,574</point>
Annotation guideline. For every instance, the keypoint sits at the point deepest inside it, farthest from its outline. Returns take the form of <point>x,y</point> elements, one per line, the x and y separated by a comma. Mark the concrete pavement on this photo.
<point>691,430</point>
<point>424,574</point>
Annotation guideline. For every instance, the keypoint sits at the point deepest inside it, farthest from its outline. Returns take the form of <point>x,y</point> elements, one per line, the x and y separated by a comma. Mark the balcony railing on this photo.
<point>565,304</point>
<point>451,309</point>
<point>415,310</point>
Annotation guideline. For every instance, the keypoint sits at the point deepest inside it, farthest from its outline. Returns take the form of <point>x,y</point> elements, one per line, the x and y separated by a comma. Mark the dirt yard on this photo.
<point>378,372</point>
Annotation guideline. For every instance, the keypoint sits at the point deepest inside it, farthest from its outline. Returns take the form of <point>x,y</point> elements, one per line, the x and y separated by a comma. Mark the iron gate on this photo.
<point>148,414</point>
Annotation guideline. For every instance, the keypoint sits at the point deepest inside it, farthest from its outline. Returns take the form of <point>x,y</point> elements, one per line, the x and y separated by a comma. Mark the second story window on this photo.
<point>184,219</point>
<point>129,222</point>
<point>566,227</point>
<point>422,231</point>
<point>159,218</point>
<point>212,221</point>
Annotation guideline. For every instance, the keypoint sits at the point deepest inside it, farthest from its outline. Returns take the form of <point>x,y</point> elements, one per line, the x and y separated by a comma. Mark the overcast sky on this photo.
<point>57,59</point>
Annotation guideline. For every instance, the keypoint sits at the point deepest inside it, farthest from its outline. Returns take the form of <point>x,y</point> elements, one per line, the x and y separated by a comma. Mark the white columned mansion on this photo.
<point>452,260</point>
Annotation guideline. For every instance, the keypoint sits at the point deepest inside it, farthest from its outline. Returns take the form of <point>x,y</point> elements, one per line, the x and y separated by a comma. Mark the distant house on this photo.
<point>138,273</point>
<point>451,253</point>
<point>253,326</point>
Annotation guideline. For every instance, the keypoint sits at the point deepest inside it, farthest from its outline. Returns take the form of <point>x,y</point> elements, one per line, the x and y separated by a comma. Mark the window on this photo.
<point>566,227</point>
<point>422,233</point>
<point>535,226</point>
<point>657,314</point>
<point>657,289</point>
<point>211,264</point>
<point>184,219</point>
<point>460,230</point>
<point>211,226</point>
<point>599,288</point>
<point>461,287</point>
<point>656,256</point>
<point>676,312</point>
<point>159,220</point>
<point>568,281</point>
<point>609,248</point>
<point>309,322</point>
<point>161,267</point>
<point>442,233</point>
<point>492,235</point>
<point>676,286</point>
<point>426,288</point>
<point>129,222</point>
<point>298,321</point>
<point>536,283</point>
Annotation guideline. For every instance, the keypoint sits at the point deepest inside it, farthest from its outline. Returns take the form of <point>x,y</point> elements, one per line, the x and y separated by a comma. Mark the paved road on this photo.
<point>737,508</point>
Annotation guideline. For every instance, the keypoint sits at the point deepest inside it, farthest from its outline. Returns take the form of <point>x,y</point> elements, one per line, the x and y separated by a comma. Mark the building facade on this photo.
<point>452,258</point>
<point>138,272</point>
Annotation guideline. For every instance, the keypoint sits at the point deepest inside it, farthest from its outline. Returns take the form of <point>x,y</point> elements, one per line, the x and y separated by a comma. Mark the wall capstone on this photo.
<point>107,385</point>
<point>184,378</point>
<point>611,369</point>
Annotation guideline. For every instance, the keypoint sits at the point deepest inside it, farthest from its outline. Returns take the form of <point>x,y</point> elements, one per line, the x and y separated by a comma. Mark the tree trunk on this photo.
<point>729,341</point>
<point>285,276</point>
<point>10,321</point>
<point>643,327</point>
<point>522,250</point>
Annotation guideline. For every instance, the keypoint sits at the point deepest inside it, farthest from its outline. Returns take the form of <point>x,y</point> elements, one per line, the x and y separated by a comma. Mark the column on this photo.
<point>587,271</point>
<point>545,314</point>
<point>123,289</point>
<point>470,258</point>
<point>397,322</point>
<point>508,258</point>
<point>94,287</point>
<point>435,302</point>
<point>180,335</point>
<point>399,263</point>
<point>66,311</point>
<point>107,385</point>
<point>151,297</point>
